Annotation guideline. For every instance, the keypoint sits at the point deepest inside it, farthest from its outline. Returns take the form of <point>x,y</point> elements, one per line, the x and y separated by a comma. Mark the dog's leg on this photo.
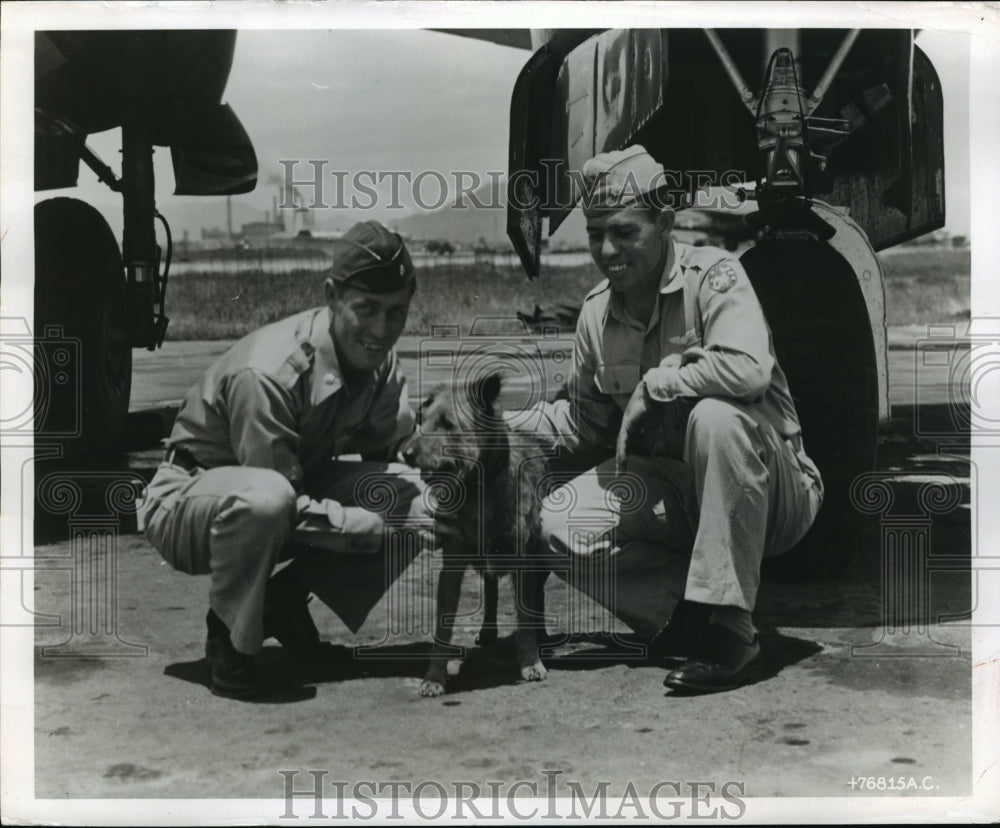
<point>448,592</point>
<point>529,588</point>
<point>488,632</point>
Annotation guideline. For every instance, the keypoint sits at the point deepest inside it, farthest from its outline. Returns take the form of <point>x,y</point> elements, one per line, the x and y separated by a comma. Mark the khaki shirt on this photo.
<point>278,400</point>
<point>706,337</point>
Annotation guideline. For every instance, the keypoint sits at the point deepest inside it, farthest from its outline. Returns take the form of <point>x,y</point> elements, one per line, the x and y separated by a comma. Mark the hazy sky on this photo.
<point>361,100</point>
<point>414,100</point>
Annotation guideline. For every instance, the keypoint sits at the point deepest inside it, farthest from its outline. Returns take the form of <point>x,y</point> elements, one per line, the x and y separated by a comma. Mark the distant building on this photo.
<point>937,238</point>
<point>259,233</point>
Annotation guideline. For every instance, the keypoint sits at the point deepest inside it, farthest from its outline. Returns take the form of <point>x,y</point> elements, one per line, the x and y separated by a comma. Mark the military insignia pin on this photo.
<point>722,278</point>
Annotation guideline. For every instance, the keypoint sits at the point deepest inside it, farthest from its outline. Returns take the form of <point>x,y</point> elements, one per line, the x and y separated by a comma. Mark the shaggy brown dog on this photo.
<point>492,509</point>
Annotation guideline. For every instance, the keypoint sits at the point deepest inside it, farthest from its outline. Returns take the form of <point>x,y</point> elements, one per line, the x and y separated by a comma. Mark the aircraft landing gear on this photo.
<point>81,391</point>
<point>824,341</point>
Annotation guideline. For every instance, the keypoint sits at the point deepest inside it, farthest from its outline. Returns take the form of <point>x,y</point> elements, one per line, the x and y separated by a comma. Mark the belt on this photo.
<point>178,456</point>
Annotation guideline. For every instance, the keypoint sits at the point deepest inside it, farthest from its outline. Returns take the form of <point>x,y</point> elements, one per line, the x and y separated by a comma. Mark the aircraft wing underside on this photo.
<point>876,139</point>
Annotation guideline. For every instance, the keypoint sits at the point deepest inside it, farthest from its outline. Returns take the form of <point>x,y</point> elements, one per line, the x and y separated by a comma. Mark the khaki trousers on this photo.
<point>703,523</point>
<point>236,523</point>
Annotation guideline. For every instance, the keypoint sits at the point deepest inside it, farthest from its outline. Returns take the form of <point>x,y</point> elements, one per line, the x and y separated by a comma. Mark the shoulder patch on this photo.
<point>722,277</point>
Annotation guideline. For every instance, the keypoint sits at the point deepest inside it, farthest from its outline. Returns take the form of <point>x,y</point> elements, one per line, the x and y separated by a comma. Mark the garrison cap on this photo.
<point>613,180</point>
<point>370,257</point>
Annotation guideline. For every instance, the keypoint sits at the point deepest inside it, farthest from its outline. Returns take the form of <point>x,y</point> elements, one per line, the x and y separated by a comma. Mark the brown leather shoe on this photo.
<point>729,662</point>
<point>234,674</point>
<point>287,618</point>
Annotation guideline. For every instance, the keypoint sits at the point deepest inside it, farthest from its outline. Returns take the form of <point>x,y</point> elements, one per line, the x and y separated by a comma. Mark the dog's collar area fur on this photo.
<point>495,457</point>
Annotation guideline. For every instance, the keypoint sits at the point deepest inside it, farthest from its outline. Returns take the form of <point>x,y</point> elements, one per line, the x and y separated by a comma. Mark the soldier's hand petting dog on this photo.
<point>364,528</point>
<point>441,525</point>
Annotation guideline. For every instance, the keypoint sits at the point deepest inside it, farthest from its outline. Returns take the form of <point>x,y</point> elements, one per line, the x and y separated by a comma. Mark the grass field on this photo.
<point>927,285</point>
<point>922,286</point>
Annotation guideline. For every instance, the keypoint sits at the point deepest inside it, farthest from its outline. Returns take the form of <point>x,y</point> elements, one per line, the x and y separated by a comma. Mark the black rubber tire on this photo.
<point>823,339</point>
<point>83,359</point>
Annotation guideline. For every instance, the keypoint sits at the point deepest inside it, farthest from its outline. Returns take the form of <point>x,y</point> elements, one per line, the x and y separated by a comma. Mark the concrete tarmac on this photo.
<point>867,677</point>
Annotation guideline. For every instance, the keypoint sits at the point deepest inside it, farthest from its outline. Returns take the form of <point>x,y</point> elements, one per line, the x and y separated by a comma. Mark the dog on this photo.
<point>495,528</point>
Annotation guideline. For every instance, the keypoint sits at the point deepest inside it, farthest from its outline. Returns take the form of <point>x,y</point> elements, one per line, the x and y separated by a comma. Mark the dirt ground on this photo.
<point>844,696</point>
<point>146,726</point>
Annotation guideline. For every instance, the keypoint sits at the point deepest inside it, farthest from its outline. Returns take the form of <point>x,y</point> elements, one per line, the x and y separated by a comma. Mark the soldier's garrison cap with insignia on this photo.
<point>372,258</point>
<point>615,180</point>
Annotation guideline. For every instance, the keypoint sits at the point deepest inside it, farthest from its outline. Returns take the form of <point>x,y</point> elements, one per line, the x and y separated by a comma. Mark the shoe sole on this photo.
<point>749,675</point>
<point>239,690</point>
<point>242,693</point>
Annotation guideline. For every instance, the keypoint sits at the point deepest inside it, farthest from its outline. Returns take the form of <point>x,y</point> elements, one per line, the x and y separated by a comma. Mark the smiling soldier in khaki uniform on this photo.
<point>251,462</point>
<point>676,374</point>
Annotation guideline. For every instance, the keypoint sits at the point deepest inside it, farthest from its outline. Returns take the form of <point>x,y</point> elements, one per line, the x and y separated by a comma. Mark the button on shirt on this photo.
<point>278,400</point>
<point>706,337</point>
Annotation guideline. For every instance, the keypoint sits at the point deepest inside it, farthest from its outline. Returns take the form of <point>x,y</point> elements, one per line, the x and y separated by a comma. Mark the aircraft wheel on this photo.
<point>83,373</point>
<point>823,338</point>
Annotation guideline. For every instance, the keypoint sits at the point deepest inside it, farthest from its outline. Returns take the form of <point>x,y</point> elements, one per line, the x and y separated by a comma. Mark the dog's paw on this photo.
<point>431,689</point>
<point>534,672</point>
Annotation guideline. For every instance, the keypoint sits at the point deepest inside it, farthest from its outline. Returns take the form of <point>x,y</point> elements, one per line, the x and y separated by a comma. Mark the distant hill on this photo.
<point>459,225</point>
<point>462,224</point>
<point>464,221</point>
<point>465,224</point>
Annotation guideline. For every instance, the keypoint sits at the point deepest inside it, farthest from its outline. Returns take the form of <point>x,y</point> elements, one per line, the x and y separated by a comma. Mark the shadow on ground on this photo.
<point>482,668</point>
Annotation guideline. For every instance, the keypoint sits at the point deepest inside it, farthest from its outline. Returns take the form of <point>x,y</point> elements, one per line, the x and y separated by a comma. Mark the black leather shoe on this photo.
<point>728,663</point>
<point>684,636</point>
<point>234,674</point>
<point>287,618</point>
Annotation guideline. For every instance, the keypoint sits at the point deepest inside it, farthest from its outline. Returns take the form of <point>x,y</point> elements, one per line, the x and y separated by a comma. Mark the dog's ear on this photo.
<point>484,392</point>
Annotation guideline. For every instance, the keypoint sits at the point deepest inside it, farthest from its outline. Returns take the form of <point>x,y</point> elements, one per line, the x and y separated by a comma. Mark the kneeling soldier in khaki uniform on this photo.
<point>251,461</point>
<point>676,374</point>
